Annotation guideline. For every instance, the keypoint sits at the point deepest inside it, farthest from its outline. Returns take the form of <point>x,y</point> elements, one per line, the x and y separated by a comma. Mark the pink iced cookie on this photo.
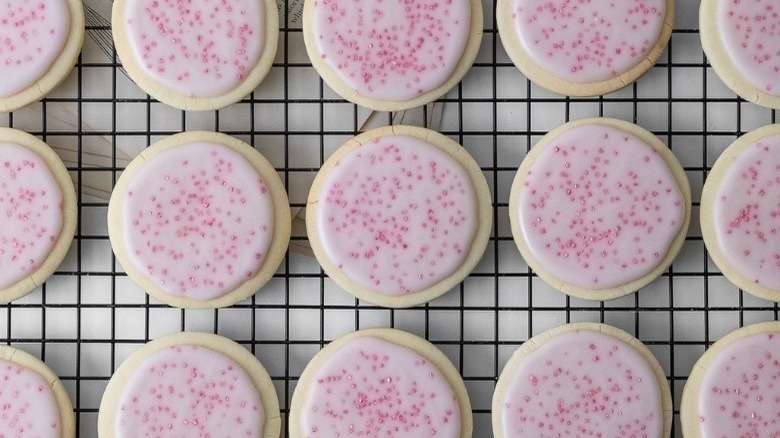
<point>734,389</point>
<point>395,53</point>
<point>585,47</point>
<point>582,380</point>
<point>740,215</point>
<point>31,213</point>
<point>380,383</point>
<point>198,54</point>
<point>599,208</point>
<point>398,219</point>
<point>32,399</point>
<point>37,213</point>
<point>200,223</point>
<point>742,41</point>
<point>34,35</point>
<point>190,384</point>
<point>28,404</point>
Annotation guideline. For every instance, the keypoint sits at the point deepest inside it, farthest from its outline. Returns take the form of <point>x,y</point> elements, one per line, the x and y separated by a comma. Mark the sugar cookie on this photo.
<point>399,215</point>
<point>599,208</point>
<point>199,220</point>
<point>380,382</point>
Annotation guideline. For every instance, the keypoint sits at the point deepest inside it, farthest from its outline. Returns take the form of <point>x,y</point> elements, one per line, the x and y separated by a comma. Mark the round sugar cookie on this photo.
<point>38,213</point>
<point>582,379</point>
<point>399,215</point>
<point>35,402</point>
<point>392,55</point>
<point>740,218</point>
<point>742,42</point>
<point>40,42</point>
<point>584,48</point>
<point>199,220</point>
<point>190,384</point>
<point>202,55</point>
<point>733,388</point>
<point>380,382</point>
<point>599,208</point>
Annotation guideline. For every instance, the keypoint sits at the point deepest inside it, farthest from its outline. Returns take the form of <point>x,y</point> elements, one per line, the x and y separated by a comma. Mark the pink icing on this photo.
<point>751,32</point>
<point>585,41</point>
<point>198,220</point>
<point>583,383</point>
<point>391,49</point>
<point>28,404</point>
<point>746,214</point>
<point>373,388</point>
<point>740,392</point>
<point>30,213</point>
<point>599,207</point>
<point>397,215</point>
<point>200,48</point>
<point>191,391</point>
<point>32,34</point>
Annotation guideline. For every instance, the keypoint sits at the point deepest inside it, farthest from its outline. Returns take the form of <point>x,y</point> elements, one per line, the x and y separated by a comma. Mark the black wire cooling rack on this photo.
<point>89,316</point>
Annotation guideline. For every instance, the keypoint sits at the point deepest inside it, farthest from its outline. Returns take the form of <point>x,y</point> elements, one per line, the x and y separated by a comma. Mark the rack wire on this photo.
<point>89,316</point>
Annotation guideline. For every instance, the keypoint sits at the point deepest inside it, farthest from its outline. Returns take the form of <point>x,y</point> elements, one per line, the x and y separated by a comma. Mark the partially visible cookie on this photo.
<point>733,388</point>
<point>199,55</point>
<point>599,208</point>
<point>741,41</point>
<point>584,48</point>
<point>40,42</point>
<point>399,215</point>
<point>190,384</point>
<point>199,220</point>
<point>380,382</point>
<point>582,379</point>
<point>740,212</point>
<point>34,401</point>
<point>395,54</point>
<point>38,212</point>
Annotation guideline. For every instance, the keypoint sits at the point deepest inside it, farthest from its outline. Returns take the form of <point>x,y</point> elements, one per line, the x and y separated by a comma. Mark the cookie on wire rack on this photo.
<point>38,213</point>
<point>199,220</point>
<point>584,48</point>
<point>399,215</point>
<point>190,384</point>
<point>732,389</point>
<point>582,379</point>
<point>599,208</point>
<point>34,400</point>
<point>740,39</point>
<point>380,382</point>
<point>740,218</point>
<point>202,55</point>
<point>392,55</point>
<point>40,42</point>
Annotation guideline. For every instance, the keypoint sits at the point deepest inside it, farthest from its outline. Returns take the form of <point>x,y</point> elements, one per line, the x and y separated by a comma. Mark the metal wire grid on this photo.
<point>89,316</point>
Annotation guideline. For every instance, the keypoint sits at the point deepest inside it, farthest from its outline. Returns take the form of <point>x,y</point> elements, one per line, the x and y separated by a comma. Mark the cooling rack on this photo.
<point>89,316</point>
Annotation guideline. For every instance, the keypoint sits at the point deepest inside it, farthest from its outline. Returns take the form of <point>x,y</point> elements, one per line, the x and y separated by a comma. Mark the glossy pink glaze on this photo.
<point>751,33</point>
<point>391,49</point>
<point>30,213</point>
<point>585,41</point>
<point>189,391</point>
<point>198,220</point>
<point>599,207</point>
<point>200,48</point>
<point>740,392</point>
<point>397,215</point>
<point>583,384</point>
<point>746,214</point>
<point>373,388</point>
<point>32,34</point>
